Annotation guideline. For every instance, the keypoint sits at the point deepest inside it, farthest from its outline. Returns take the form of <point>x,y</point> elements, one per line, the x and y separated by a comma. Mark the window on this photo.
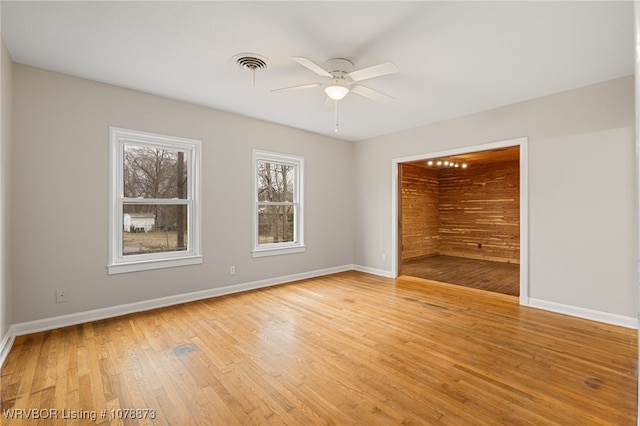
<point>155,201</point>
<point>278,204</point>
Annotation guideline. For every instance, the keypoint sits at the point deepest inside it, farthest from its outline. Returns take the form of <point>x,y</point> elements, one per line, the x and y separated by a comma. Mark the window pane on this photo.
<point>275,182</point>
<point>154,228</point>
<point>154,173</point>
<point>275,224</point>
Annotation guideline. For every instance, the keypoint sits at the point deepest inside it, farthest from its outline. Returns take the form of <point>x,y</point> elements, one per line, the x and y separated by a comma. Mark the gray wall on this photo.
<point>582,216</point>
<point>582,193</point>
<point>6,90</point>
<point>60,184</point>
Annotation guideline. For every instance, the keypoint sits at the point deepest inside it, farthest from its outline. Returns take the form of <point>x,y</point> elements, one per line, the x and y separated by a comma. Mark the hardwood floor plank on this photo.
<point>25,390</point>
<point>342,349</point>
<point>483,274</point>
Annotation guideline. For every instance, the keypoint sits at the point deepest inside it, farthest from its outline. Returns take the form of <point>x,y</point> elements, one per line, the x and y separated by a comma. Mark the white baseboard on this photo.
<point>45,324</point>
<point>6,344</point>
<point>373,271</point>
<point>590,314</point>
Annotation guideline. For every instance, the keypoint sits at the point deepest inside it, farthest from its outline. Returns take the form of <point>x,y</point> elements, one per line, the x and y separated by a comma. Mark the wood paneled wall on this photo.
<point>473,213</point>
<point>420,213</point>
<point>480,212</point>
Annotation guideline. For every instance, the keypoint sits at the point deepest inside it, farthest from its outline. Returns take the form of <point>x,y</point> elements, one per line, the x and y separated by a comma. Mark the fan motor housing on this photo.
<point>338,67</point>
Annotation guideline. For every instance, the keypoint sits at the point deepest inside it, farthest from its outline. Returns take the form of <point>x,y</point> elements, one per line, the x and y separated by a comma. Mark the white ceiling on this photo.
<point>455,58</point>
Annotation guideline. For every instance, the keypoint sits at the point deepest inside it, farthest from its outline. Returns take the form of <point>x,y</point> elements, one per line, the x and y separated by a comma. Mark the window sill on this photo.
<point>276,251</point>
<point>147,265</point>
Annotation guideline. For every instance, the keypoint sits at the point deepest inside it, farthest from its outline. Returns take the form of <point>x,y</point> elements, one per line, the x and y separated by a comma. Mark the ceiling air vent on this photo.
<point>251,62</point>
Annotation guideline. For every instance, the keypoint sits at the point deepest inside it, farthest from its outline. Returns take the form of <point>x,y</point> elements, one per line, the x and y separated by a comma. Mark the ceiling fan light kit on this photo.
<point>336,91</point>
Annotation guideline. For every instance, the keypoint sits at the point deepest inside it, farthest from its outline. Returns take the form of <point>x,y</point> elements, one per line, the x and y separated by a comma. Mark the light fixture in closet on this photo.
<point>441,163</point>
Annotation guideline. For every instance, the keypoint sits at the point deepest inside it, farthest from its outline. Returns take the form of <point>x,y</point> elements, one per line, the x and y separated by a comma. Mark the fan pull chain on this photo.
<point>336,115</point>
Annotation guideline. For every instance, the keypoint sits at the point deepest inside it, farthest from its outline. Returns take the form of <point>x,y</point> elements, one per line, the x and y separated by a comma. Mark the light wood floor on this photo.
<point>499,277</point>
<point>349,348</point>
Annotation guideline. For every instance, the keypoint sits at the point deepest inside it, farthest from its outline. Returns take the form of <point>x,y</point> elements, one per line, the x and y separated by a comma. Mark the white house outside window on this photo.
<point>278,204</point>
<point>155,201</point>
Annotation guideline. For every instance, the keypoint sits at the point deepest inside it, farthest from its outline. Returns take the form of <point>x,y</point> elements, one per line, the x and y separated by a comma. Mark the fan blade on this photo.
<point>370,93</point>
<point>310,65</point>
<point>303,86</point>
<point>374,71</point>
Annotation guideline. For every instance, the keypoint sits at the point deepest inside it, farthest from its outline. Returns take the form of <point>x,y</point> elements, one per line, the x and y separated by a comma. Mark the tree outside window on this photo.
<point>154,173</point>
<point>155,207</point>
<point>278,208</point>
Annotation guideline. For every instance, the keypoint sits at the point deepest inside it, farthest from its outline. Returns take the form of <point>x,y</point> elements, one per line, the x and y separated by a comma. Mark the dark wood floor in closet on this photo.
<point>498,277</point>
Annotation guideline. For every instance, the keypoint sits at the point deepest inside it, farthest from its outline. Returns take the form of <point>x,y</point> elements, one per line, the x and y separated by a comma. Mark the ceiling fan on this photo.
<point>343,80</point>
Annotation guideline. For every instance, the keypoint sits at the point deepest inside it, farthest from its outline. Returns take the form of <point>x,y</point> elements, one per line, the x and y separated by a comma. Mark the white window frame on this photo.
<point>297,245</point>
<point>118,263</point>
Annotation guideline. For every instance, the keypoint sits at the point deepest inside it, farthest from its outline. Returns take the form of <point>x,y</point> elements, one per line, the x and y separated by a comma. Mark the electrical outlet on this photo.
<point>384,257</point>
<point>232,270</point>
<point>61,295</point>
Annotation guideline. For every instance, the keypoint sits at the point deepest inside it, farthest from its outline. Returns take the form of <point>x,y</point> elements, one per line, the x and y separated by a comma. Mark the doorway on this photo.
<point>461,219</point>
